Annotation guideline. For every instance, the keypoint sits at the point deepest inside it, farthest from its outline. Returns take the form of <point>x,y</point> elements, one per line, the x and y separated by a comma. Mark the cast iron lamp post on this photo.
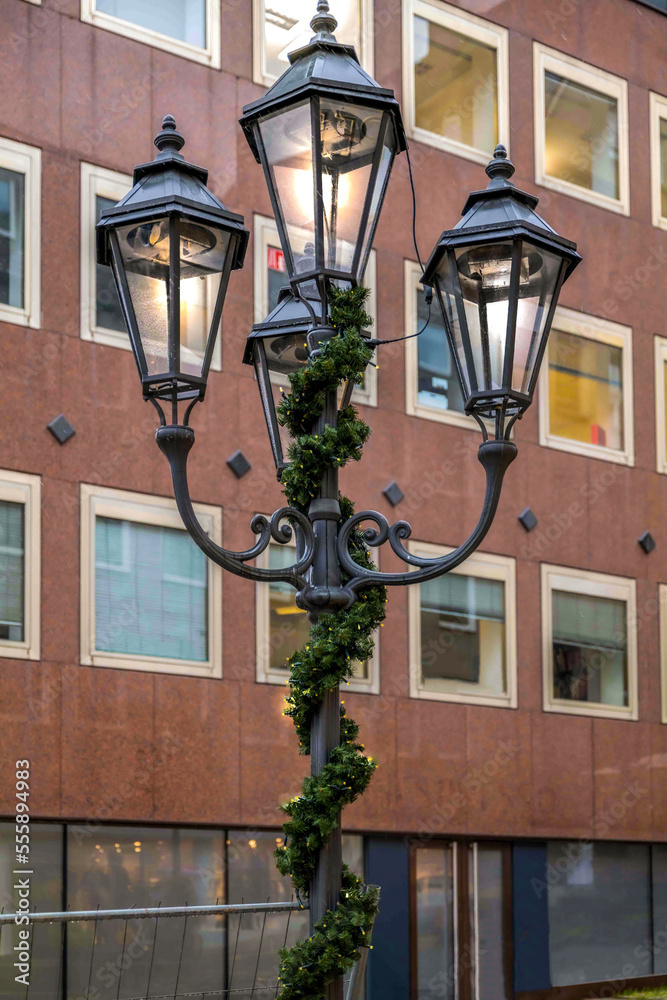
<point>326,135</point>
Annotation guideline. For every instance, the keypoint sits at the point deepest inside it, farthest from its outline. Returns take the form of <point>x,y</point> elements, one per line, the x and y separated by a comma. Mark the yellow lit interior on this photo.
<point>585,390</point>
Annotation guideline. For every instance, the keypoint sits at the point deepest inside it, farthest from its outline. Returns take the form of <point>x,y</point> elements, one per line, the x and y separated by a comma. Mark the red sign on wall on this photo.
<point>276,259</point>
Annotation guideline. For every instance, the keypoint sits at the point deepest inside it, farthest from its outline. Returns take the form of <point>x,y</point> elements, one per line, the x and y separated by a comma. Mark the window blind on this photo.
<point>465,595</point>
<point>12,571</point>
<point>589,621</point>
<point>151,591</point>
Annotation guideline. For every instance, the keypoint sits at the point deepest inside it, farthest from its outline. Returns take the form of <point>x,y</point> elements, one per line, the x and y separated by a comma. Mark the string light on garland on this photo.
<point>335,642</point>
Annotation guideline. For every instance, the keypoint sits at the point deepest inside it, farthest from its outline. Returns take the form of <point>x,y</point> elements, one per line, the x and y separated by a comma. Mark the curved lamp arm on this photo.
<point>175,441</point>
<point>495,456</point>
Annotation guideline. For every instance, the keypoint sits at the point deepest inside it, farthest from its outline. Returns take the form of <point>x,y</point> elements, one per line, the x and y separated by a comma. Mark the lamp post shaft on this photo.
<point>325,731</point>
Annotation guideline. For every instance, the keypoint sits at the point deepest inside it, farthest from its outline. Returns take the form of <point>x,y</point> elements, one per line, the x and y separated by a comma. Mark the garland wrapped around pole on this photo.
<point>336,641</point>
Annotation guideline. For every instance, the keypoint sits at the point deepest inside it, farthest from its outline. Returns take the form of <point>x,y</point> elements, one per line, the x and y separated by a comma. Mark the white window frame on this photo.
<point>546,59</point>
<point>477,29</point>
<point>266,235</point>
<point>605,332</point>
<point>263,672</point>
<point>658,112</point>
<point>18,487</point>
<point>660,354</point>
<point>209,56</point>
<point>581,581</point>
<point>151,510</point>
<point>482,566</point>
<point>107,184</point>
<point>413,407</point>
<point>264,79</point>
<point>26,160</point>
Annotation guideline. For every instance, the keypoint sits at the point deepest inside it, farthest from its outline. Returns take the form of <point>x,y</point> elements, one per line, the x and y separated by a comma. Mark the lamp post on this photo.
<point>326,135</point>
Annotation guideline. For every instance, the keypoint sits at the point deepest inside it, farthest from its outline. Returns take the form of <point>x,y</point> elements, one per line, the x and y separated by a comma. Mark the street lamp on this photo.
<point>326,135</point>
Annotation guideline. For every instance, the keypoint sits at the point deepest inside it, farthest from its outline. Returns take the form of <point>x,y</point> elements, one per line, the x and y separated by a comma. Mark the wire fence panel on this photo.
<point>152,954</point>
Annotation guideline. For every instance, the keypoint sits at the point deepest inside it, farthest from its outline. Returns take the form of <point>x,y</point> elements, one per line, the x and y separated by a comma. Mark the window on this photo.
<point>589,643</point>
<point>101,315</point>
<point>581,130</point>
<point>461,920</point>
<point>19,565</point>
<point>150,600</point>
<point>189,28</point>
<point>462,632</point>
<point>658,111</point>
<point>660,402</point>
<point>432,388</point>
<point>20,170</point>
<point>281,26</point>
<point>271,276</point>
<point>282,628</point>
<point>586,388</point>
<point>455,73</point>
<point>604,891</point>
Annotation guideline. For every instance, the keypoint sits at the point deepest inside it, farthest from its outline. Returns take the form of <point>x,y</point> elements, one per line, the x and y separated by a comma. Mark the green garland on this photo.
<point>335,642</point>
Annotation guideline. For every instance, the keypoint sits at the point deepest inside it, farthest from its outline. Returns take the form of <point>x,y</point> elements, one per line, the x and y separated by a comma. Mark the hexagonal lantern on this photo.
<point>171,245</point>
<point>497,277</point>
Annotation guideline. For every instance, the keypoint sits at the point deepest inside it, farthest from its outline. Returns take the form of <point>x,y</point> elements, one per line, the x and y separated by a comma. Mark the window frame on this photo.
<point>660,360</point>
<point>477,29</point>
<point>413,407</point>
<point>263,672</point>
<point>546,59</point>
<point>147,509</point>
<point>266,235</point>
<point>19,487</point>
<point>100,181</point>
<point>208,55</point>
<point>590,584</point>
<point>605,332</point>
<point>482,566</point>
<point>658,113</point>
<point>26,160</point>
<point>264,79</point>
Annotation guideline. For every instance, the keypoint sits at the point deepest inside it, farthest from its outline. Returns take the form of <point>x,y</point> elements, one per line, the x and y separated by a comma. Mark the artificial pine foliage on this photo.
<point>327,659</point>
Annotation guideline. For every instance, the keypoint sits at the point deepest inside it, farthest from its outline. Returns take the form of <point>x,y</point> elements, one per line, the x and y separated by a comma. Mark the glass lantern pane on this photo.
<point>537,283</point>
<point>286,353</point>
<point>145,253</point>
<point>348,136</point>
<point>203,251</point>
<point>287,139</point>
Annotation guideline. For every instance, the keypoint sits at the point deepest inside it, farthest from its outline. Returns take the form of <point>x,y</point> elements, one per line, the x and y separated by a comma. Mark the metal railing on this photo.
<point>107,954</point>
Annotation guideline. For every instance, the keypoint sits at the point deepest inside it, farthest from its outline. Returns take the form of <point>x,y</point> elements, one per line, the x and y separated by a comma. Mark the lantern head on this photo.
<point>497,277</point>
<point>171,245</point>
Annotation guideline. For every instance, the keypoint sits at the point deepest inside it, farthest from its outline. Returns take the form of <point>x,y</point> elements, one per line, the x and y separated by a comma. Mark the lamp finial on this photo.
<point>324,22</point>
<point>500,166</point>
<point>169,139</point>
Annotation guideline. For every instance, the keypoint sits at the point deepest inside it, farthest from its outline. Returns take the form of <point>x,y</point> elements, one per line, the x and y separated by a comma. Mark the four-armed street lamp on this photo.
<point>326,135</point>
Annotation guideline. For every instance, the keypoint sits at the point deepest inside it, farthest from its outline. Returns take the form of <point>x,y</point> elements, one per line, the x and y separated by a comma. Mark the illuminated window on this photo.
<point>189,28</point>
<point>19,565</point>
<point>20,167</point>
<point>150,600</point>
<point>455,79</point>
<point>281,26</point>
<point>581,130</point>
<point>590,648</point>
<point>271,276</point>
<point>586,388</point>
<point>462,625</point>
<point>282,628</point>
<point>658,108</point>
